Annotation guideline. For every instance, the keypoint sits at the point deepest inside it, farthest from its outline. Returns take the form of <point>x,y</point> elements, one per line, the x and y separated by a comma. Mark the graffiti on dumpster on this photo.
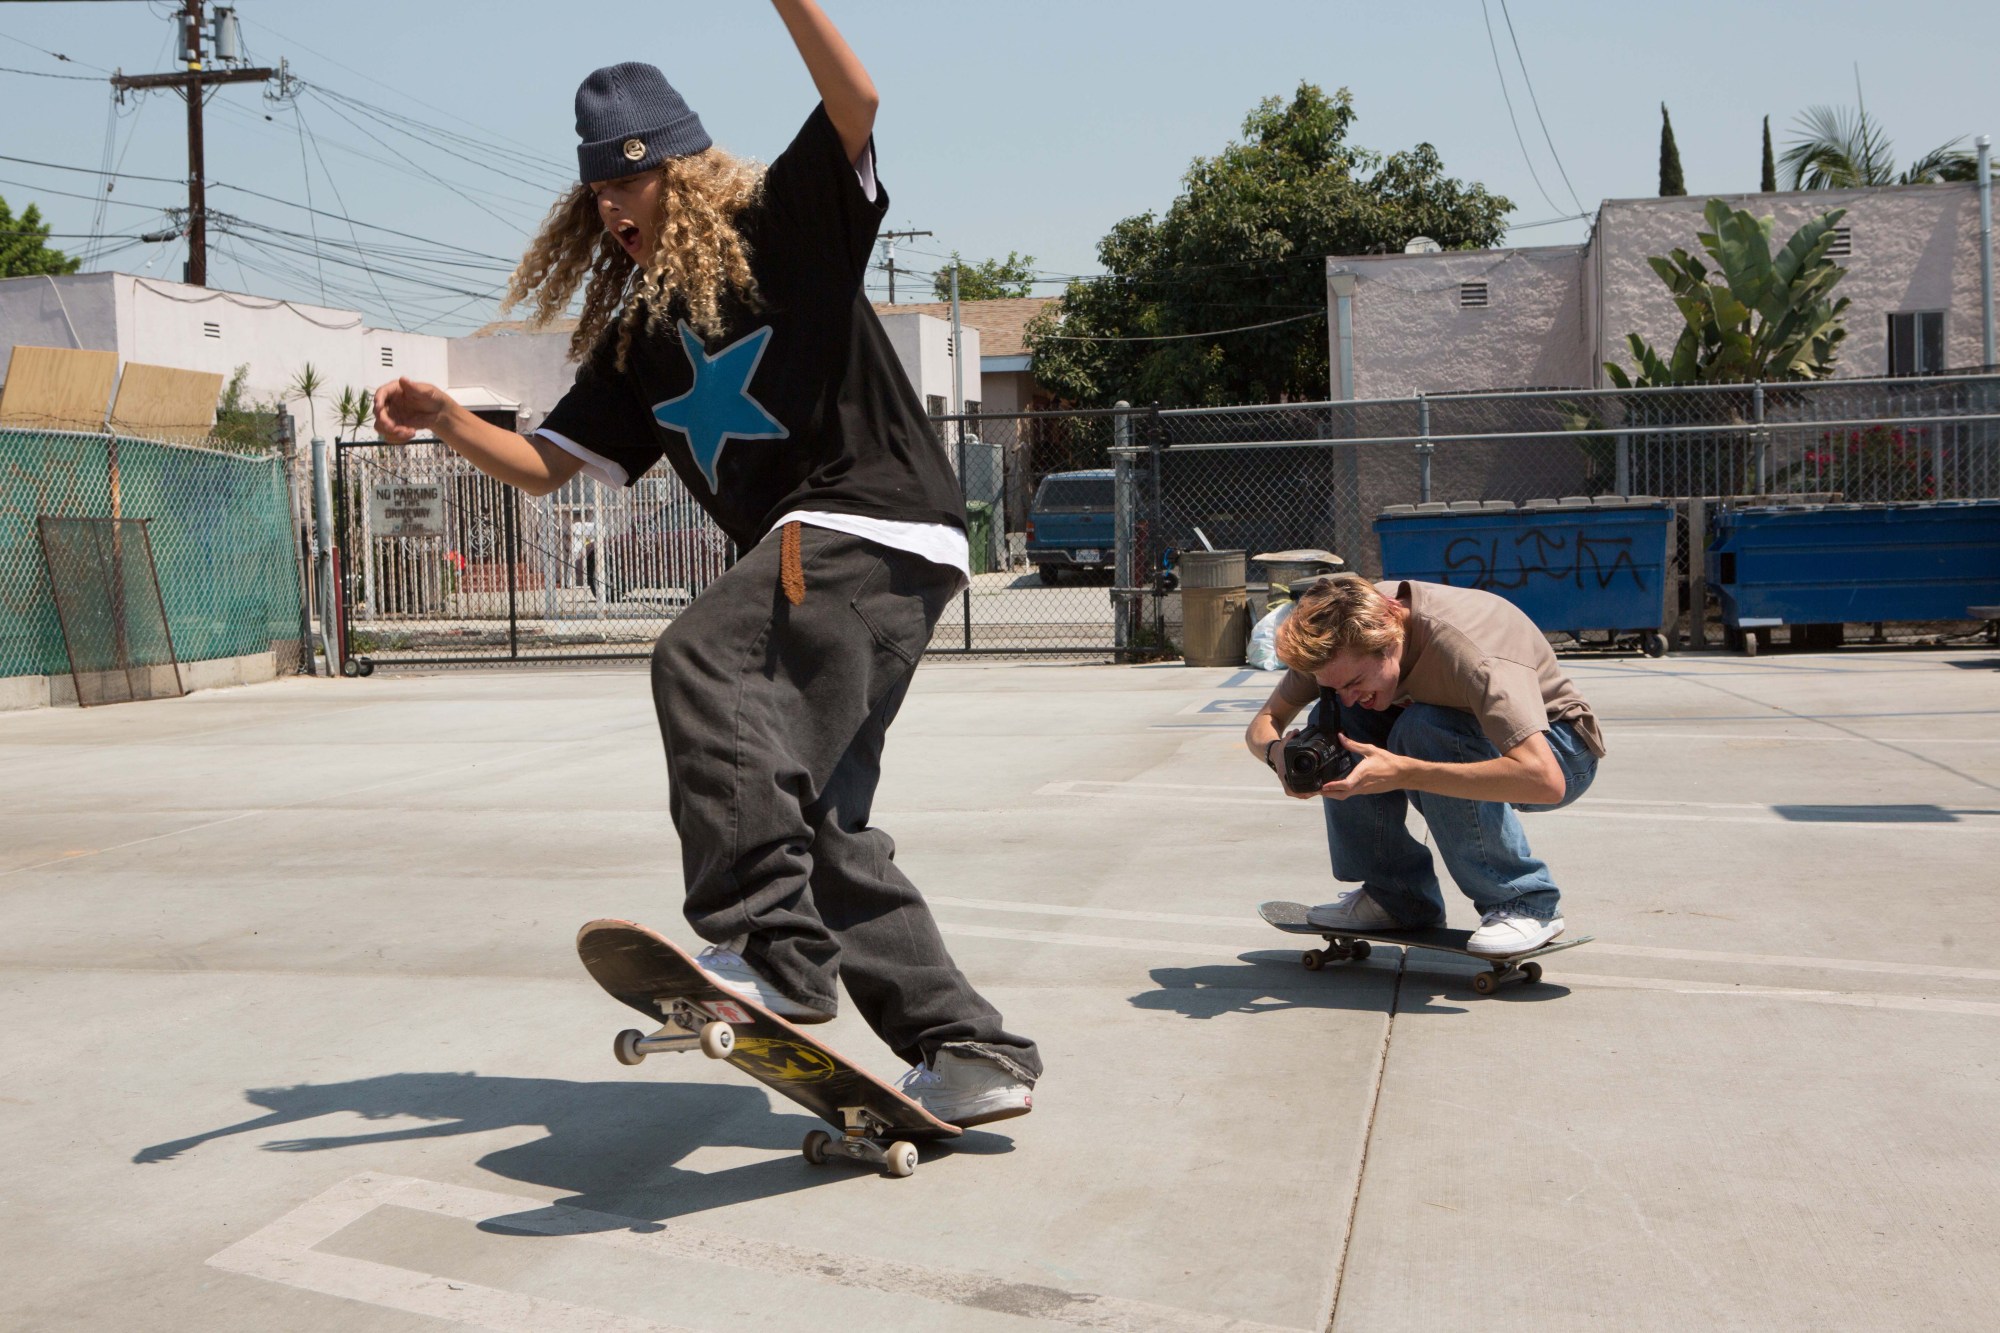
<point>1569,557</point>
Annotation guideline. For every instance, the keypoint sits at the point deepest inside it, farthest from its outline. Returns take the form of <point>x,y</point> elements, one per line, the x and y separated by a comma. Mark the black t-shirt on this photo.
<point>799,404</point>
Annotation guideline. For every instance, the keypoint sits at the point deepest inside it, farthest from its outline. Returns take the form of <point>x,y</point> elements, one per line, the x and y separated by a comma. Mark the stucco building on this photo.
<point>1550,316</point>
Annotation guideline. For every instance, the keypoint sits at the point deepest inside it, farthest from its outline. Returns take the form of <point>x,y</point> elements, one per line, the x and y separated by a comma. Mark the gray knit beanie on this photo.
<point>630,119</point>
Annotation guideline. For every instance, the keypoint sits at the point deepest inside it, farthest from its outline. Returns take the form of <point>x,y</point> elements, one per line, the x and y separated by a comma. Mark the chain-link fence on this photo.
<point>1316,475</point>
<point>221,525</point>
<point>596,572</point>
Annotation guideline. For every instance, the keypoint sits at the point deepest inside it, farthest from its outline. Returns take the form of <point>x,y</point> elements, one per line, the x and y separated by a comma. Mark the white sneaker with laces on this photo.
<point>728,969</point>
<point>963,1091</point>
<point>1501,934</point>
<point>1353,910</point>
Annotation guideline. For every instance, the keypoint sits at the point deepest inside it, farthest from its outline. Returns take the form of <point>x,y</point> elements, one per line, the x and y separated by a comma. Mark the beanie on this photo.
<point>630,119</point>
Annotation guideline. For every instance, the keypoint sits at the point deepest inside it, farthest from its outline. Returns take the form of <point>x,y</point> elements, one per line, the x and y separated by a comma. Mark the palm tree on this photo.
<point>308,384</point>
<point>1838,149</point>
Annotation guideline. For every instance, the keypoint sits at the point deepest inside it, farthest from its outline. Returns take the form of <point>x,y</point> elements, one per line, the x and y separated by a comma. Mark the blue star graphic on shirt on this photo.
<point>718,407</point>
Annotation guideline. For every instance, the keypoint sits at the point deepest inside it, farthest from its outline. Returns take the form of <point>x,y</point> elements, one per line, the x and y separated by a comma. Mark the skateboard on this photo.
<point>661,980</point>
<point>1344,946</point>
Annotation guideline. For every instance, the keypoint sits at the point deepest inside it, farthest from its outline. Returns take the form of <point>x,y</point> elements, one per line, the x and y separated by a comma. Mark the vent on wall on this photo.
<point>1472,295</point>
<point>388,356</point>
<point>211,330</point>
<point>1843,243</point>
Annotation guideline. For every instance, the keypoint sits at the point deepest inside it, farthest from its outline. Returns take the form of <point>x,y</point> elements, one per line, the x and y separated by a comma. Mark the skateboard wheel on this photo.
<point>814,1148</point>
<point>626,1046</point>
<point>1485,983</point>
<point>1358,950</point>
<point>902,1159</point>
<point>718,1039</point>
<point>1312,960</point>
<point>1531,972</point>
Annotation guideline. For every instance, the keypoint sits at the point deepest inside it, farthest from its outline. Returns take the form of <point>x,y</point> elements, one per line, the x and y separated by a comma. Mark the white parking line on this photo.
<point>285,1252</point>
<point>1591,807</point>
<point>1628,950</point>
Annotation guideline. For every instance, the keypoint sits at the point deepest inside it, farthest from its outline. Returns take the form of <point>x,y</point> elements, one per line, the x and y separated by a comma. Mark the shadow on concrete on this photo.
<point>614,1147</point>
<point>1874,814</point>
<point>1267,980</point>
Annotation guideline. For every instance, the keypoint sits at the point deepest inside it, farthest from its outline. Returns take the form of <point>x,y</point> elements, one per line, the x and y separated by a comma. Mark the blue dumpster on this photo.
<point>1573,565</point>
<point>1855,563</point>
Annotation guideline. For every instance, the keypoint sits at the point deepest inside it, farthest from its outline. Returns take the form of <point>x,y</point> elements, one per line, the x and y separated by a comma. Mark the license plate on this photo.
<point>1087,556</point>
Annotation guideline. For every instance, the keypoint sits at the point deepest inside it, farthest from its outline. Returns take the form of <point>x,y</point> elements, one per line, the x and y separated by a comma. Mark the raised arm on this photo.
<point>836,71</point>
<point>404,407</point>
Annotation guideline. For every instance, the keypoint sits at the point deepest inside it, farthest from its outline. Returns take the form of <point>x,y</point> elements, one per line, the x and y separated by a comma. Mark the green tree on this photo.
<point>1244,244</point>
<point>1672,183</point>
<point>1838,149</point>
<point>1755,316</point>
<point>244,421</point>
<point>308,384</point>
<point>23,253</point>
<point>989,279</point>
<point>1768,182</point>
<point>355,410</point>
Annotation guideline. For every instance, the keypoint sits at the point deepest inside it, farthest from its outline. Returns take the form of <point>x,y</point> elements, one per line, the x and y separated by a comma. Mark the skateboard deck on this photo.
<point>1352,945</point>
<point>661,980</point>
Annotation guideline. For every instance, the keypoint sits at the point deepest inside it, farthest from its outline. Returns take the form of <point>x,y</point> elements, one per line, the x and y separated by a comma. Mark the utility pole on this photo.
<point>889,239</point>
<point>190,84</point>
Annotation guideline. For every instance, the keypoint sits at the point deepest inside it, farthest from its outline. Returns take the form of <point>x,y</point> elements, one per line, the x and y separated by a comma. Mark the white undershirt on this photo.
<point>938,543</point>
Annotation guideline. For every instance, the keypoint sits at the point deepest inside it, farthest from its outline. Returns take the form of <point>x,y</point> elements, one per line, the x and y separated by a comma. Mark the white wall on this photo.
<point>923,345</point>
<point>75,311</point>
<point>1412,336</point>
<point>533,369</point>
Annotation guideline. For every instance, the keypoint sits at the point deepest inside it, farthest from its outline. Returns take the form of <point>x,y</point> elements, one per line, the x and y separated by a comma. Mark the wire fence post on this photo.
<point>323,584</point>
<point>288,451</point>
<point>965,594</point>
<point>1156,432</point>
<point>1761,444</point>
<point>1424,449</point>
<point>1124,583</point>
<point>511,542</point>
<point>1622,456</point>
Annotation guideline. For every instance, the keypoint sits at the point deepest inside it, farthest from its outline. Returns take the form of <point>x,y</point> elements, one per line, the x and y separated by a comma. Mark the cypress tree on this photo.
<point>1671,182</point>
<point>1769,184</point>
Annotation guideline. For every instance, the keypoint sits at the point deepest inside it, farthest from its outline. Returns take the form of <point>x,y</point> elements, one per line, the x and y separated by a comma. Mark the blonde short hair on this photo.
<point>1342,613</point>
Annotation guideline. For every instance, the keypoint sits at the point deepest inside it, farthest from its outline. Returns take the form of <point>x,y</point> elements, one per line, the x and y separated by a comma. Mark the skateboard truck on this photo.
<point>860,1141</point>
<point>1342,949</point>
<point>689,1027</point>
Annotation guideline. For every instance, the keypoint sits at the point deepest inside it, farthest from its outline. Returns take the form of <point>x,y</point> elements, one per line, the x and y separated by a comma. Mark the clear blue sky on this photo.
<point>1030,126</point>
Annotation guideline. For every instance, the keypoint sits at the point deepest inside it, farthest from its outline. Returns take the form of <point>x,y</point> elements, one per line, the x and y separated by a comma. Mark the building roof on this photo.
<point>504,327</point>
<point>1001,323</point>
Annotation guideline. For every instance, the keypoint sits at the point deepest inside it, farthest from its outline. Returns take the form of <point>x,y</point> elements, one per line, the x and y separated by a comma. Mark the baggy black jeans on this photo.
<point>774,717</point>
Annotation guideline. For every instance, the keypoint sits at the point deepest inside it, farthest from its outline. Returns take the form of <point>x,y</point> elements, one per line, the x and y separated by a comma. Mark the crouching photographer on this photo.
<point>1448,699</point>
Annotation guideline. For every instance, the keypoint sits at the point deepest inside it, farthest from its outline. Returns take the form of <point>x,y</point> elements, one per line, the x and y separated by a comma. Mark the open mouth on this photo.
<point>628,236</point>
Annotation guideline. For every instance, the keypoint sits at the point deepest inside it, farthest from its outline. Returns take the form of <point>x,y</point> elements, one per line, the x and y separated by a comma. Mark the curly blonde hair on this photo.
<point>699,259</point>
<point>1340,614</point>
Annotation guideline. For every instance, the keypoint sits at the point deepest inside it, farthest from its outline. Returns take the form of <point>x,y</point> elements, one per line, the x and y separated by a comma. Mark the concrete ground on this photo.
<point>295,1037</point>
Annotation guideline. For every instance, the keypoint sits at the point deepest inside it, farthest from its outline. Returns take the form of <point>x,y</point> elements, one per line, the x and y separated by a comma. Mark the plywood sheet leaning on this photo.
<point>162,403</point>
<point>58,388</point>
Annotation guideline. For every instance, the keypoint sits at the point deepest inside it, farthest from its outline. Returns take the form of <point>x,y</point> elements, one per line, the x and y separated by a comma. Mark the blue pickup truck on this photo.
<point>1072,523</point>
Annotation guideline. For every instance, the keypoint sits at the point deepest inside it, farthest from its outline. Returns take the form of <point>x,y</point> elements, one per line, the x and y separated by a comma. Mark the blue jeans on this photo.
<point>1482,842</point>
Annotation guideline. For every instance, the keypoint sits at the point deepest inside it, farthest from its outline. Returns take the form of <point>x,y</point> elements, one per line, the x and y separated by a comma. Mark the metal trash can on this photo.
<point>1572,565</point>
<point>1284,569</point>
<point>1215,608</point>
<point>1841,564</point>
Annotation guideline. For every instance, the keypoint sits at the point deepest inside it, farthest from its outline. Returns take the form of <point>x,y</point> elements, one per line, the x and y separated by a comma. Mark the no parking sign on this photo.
<point>407,509</point>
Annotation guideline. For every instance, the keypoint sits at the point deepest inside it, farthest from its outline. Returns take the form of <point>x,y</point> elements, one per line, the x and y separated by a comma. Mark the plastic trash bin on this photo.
<point>1573,565</point>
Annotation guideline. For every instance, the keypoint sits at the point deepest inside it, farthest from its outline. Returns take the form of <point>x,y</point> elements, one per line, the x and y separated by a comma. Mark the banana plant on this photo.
<point>1754,315</point>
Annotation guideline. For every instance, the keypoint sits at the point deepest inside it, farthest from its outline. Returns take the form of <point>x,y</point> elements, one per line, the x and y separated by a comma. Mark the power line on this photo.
<point>1536,103</point>
<point>1507,97</point>
<point>1177,337</point>
<point>43,74</point>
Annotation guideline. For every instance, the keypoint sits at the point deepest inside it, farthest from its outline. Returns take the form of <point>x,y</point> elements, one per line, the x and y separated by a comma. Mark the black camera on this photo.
<point>1313,759</point>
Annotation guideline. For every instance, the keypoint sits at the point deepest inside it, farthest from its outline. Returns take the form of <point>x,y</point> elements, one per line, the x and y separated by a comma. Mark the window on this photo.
<point>934,404</point>
<point>972,407</point>
<point>209,330</point>
<point>1472,295</point>
<point>1916,342</point>
<point>1843,243</point>
<point>388,356</point>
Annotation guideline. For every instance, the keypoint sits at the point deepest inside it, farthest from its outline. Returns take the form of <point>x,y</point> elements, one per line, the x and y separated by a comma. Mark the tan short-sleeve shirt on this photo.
<point>1478,653</point>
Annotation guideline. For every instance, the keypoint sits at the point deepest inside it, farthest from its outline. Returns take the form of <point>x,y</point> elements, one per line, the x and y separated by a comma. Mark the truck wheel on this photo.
<point>1048,573</point>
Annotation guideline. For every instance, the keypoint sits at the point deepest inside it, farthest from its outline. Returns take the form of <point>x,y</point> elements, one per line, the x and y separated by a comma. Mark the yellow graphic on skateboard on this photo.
<point>773,1057</point>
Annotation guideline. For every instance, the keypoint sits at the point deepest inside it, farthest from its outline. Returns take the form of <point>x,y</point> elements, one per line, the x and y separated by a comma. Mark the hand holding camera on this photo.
<point>1312,759</point>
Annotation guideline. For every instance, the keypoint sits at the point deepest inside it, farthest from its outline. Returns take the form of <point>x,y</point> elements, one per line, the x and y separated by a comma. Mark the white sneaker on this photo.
<point>727,969</point>
<point>962,1091</point>
<point>1501,934</point>
<point>1353,910</point>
